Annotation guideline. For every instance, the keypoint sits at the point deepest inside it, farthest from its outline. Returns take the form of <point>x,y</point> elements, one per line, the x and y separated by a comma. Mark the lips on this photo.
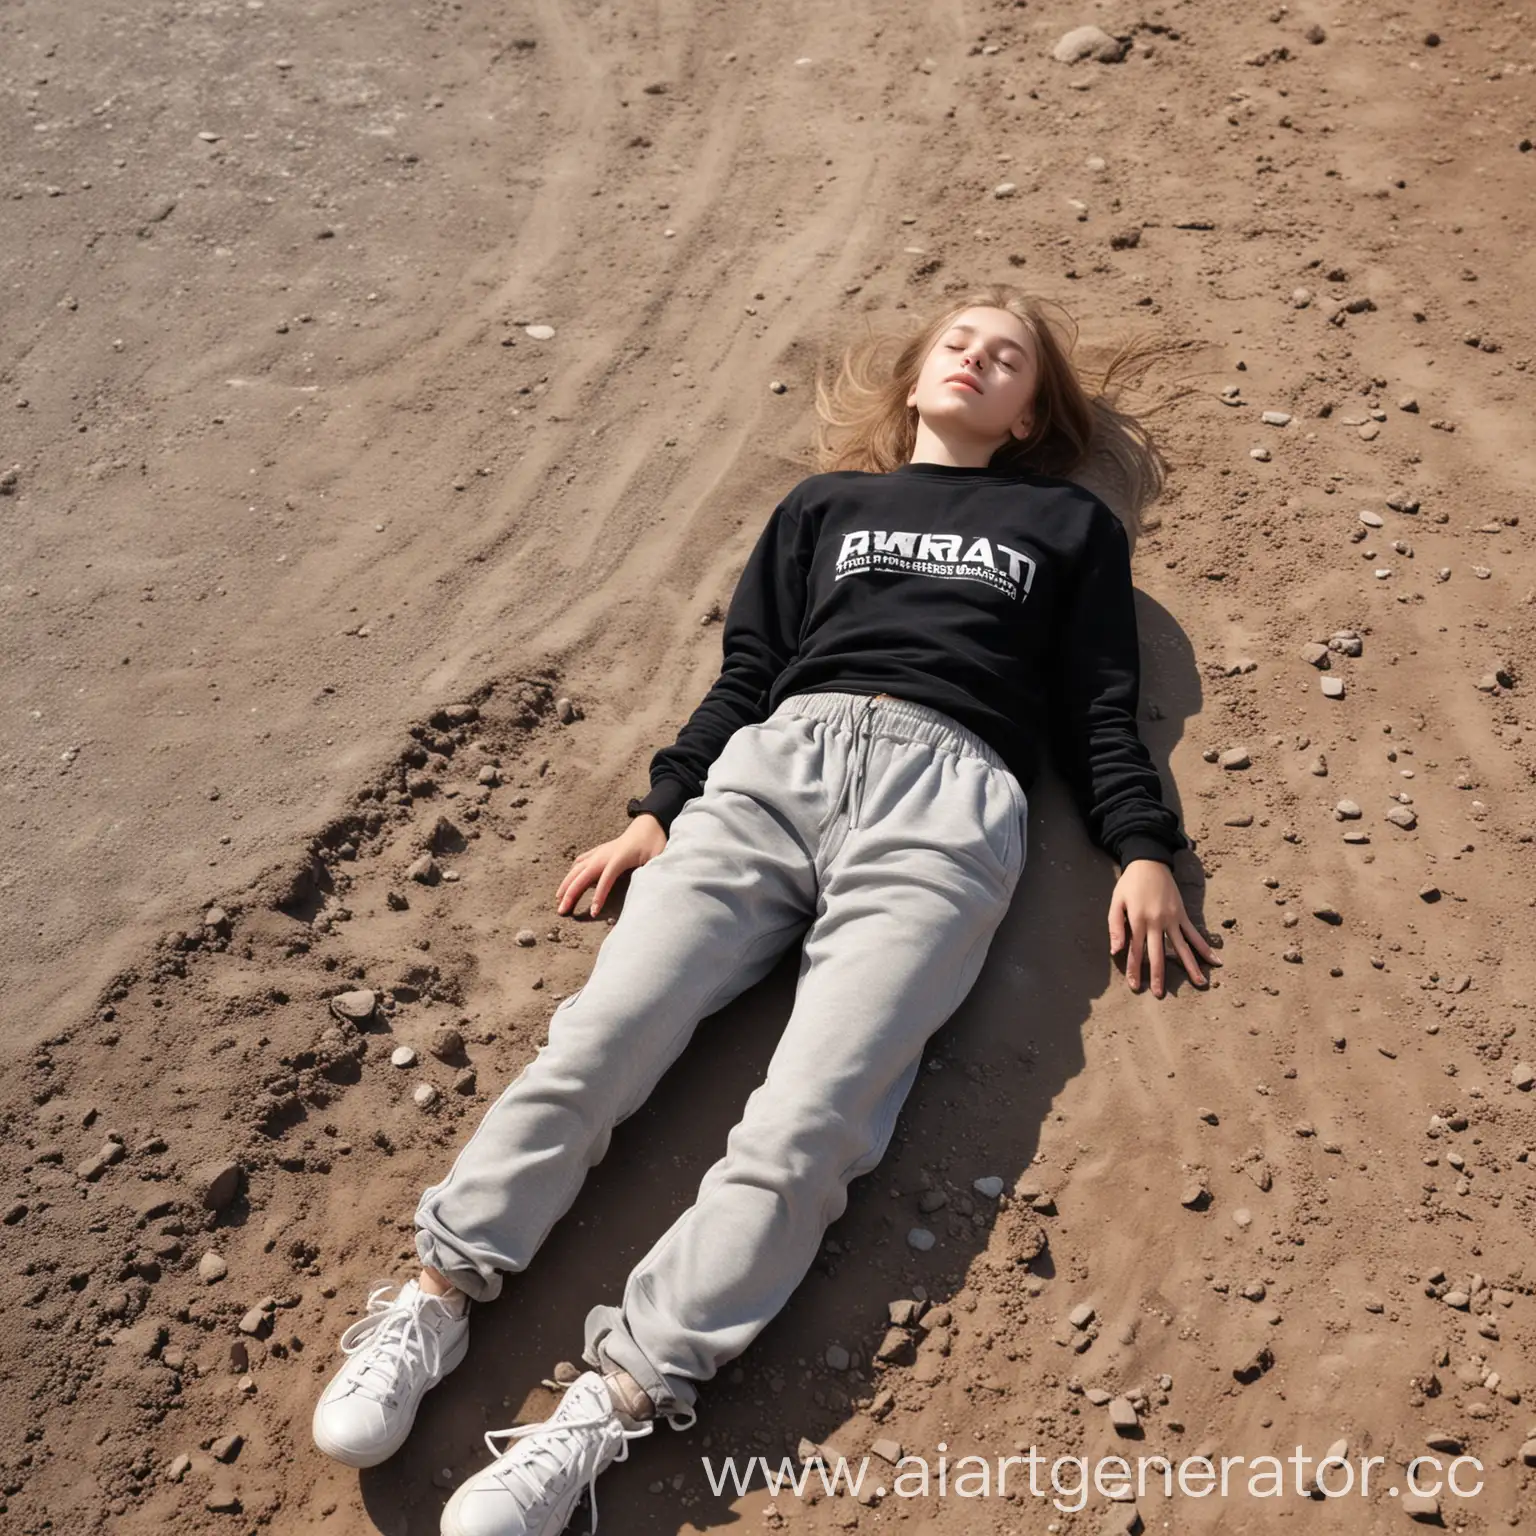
<point>963,378</point>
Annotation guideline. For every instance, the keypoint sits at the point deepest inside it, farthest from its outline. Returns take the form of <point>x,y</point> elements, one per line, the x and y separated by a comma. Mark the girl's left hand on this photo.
<point>1147,897</point>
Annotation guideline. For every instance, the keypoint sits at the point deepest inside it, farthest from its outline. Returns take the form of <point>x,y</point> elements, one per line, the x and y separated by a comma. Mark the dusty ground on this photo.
<point>291,479</point>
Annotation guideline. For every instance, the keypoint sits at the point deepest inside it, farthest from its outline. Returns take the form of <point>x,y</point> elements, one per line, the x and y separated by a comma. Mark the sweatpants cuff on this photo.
<point>478,1283</point>
<point>610,1348</point>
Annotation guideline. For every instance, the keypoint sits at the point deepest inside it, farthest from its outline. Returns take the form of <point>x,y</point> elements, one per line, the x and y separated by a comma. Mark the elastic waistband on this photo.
<point>883,716</point>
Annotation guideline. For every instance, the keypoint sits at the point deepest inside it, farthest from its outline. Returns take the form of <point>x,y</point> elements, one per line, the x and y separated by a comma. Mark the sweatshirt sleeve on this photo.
<point>760,637</point>
<point>1096,683</point>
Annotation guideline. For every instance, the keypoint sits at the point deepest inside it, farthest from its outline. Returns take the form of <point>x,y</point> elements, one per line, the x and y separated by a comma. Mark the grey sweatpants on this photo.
<point>891,833</point>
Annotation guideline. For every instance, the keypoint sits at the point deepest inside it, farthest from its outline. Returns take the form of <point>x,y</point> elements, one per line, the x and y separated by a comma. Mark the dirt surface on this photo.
<point>306,532</point>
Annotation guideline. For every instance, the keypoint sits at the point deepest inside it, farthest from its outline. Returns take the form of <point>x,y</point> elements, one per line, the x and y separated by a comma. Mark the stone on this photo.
<point>1088,43</point>
<point>355,1007</point>
<point>256,1322</point>
<point>1081,1315</point>
<point>921,1239</point>
<point>887,1450</point>
<point>1401,816</point>
<point>178,1468</point>
<point>447,1042</point>
<point>425,1095</point>
<point>837,1358</point>
<point>1122,1415</point>
<point>1333,687</point>
<point>1347,810</point>
<point>211,1268</point>
<point>226,1448</point>
<point>989,1188</point>
<point>1234,757</point>
<point>216,1184</point>
<point>425,870</point>
<point>402,1056</point>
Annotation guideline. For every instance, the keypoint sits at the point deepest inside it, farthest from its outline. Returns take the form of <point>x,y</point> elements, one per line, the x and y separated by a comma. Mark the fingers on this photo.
<point>611,872</point>
<point>1155,954</point>
<point>1185,958</point>
<point>1133,955</point>
<point>1116,924</point>
<point>578,878</point>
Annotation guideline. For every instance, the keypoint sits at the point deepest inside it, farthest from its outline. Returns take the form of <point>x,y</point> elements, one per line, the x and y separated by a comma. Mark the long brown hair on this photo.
<point>1079,430</point>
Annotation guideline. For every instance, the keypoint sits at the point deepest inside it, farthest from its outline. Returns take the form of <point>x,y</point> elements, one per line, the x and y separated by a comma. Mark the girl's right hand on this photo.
<point>641,841</point>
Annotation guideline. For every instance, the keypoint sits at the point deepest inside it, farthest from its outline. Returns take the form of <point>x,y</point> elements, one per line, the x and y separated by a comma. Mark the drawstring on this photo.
<point>860,759</point>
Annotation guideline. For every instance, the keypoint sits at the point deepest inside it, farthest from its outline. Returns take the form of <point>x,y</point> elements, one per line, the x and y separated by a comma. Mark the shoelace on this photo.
<point>397,1334</point>
<point>555,1431</point>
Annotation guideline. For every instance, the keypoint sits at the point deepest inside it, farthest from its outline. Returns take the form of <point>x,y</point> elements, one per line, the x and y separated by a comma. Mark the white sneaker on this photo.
<point>534,1485</point>
<point>406,1344</point>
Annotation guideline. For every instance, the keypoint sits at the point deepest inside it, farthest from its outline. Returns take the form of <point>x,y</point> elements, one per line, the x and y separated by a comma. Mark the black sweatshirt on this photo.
<point>1002,599</point>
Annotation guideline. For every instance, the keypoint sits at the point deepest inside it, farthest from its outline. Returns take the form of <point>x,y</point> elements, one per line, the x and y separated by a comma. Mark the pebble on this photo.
<point>1263,455</point>
<point>1347,810</point>
<point>887,1450</point>
<point>216,1184</point>
<point>1401,816</point>
<point>447,1042</point>
<point>354,1006</point>
<point>1081,1315</point>
<point>402,1056</point>
<point>1523,1076</point>
<point>425,869</point>
<point>989,1188</point>
<point>226,1448</point>
<point>1275,419</point>
<point>527,937</point>
<point>540,332</point>
<point>1122,1415</point>
<point>1087,43</point>
<point>1371,519</point>
<point>179,1468</point>
<point>837,1358</point>
<point>425,1095</point>
<point>211,1267</point>
<point>255,1322</point>
<point>1333,687</point>
<point>1234,757</point>
<point>921,1239</point>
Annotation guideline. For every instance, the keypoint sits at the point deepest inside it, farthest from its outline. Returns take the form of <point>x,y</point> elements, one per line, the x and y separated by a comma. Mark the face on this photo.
<point>994,351</point>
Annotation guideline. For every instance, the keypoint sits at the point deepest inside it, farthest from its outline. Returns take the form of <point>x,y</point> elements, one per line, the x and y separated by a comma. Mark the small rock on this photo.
<point>837,1357</point>
<point>921,1239</point>
<point>540,332</point>
<point>402,1056</point>
<point>226,1448</point>
<point>465,1082</point>
<point>887,1450</point>
<point>356,1007</point>
<point>256,1322</point>
<point>1402,816</point>
<point>1087,43</point>
<point>1275,419</point>
<point>179,1468</point>
<point>1122,1415</point>
<point>1523,1076</point>
<point>1081,1315</point>
<point>425,870</point>
<point>447,1042</point>
<point>211,1268</point>
<point>425,1095</point>
<point>1347,810</point>
<point>1234,757</point>
<point>527,937</point>
<point>989,1188</point>
<point>1333,687</point>
<point>216,1184</point>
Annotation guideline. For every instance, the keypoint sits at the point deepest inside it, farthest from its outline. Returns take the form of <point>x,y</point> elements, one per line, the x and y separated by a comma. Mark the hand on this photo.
<point>1147,897</point>
<point>637,845</point>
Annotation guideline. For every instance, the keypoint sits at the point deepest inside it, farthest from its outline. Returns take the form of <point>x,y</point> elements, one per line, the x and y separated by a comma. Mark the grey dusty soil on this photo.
<point>305,536</point>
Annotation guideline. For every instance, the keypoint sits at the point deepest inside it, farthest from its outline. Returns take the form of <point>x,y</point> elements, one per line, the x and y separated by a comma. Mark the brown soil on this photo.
<point>292,479</point>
